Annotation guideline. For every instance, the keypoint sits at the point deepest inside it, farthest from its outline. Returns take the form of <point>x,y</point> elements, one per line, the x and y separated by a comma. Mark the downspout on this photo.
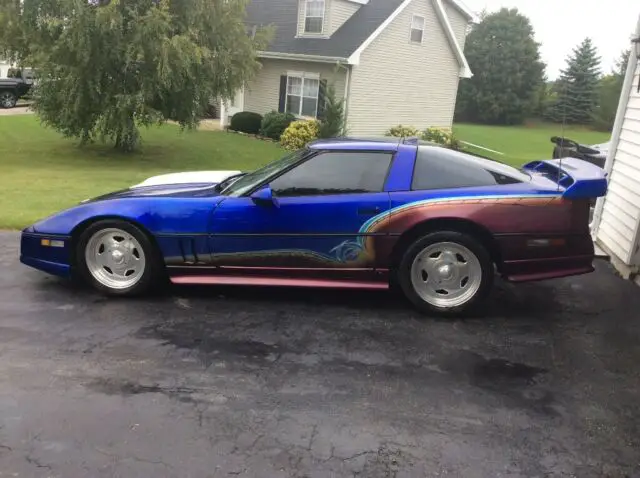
<point>617,131</point>
<point>347,95</point>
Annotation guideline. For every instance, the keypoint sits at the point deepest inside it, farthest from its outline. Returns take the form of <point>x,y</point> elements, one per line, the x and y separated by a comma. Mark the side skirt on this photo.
<point>281,277</point>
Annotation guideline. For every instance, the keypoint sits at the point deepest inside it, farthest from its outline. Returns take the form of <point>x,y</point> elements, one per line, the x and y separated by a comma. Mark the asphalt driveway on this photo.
<point>269,383</point>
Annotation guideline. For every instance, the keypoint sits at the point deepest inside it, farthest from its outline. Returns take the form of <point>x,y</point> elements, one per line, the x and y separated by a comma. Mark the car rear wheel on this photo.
<point>8,99</point>
<point>117,258</point>
<point>446,273</point>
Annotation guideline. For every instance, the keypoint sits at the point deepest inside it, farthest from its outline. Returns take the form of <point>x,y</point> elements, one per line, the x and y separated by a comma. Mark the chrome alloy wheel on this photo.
<point>446,274</point>
<point>115,258</point>
<point>7,99</point>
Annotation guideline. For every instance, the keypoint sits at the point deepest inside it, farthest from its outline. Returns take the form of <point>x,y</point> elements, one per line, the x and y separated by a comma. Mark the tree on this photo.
<point>609,90</point>
<point>332,123</point>
<point>621,63</point>
<point>107,67</point>
<point>578,86</point>
<point>508,73</point>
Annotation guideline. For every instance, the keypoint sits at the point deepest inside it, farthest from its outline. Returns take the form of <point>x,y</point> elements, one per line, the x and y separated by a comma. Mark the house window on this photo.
<point>302,95</point>
<point>417,29</point>
<point>314,16</point>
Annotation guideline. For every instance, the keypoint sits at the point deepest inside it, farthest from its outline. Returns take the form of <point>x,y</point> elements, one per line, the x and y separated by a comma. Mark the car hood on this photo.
<point>189,177</point>
<point>187,184</point>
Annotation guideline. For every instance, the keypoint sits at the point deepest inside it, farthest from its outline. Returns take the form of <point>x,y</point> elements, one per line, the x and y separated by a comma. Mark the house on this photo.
<point>393,61</point>
<point>616,223</point>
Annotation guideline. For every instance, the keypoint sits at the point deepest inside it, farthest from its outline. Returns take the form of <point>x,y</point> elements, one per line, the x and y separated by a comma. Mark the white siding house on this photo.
<point>4,68</point>
<point>392,61</point>
<point>616,224</point>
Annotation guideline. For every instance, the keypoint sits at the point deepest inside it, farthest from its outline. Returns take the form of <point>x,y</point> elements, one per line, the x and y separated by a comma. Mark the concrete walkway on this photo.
<point>18,110</point>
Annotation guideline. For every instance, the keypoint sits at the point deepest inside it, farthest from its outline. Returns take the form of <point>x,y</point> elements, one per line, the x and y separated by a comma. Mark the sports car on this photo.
<point>434,223</point>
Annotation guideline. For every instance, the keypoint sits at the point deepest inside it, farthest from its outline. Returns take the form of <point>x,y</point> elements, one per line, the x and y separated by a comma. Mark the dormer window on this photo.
<point>417,29</point>
<point>314,16</point>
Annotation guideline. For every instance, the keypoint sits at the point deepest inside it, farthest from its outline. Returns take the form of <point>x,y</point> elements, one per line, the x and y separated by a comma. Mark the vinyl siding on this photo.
<point>341,11</point>
<point>459,23</point>
<point>398,82</point>
<point>263,94</point>
<point>618,230</point>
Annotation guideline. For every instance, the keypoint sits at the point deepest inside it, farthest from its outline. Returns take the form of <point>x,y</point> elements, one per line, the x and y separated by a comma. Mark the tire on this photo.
<point>118,259</point>
<point>455,257</point>
<point>8,99</point>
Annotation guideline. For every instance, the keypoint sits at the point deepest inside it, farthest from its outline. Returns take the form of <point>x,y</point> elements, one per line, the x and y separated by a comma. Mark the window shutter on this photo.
<point>322,99</point>
<point>282,105</point>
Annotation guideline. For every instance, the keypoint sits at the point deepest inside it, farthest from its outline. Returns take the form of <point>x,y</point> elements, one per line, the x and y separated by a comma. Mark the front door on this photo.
<point>235,105</point>
<point>323,216</point>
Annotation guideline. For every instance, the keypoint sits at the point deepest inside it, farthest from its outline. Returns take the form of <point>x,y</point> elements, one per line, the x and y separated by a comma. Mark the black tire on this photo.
<point>469,242</point>
<point>154,271</point>
<point>8,99</point>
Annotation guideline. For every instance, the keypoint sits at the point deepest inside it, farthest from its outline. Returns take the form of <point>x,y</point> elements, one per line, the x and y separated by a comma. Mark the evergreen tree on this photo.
<point>508,73</point>
<point>106,67</point>
<point>578,86</point>
<point>332,123</point>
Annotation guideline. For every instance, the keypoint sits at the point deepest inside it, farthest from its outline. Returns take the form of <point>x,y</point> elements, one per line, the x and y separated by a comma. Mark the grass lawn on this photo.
<point>41,172</point>
<point>523,143</point>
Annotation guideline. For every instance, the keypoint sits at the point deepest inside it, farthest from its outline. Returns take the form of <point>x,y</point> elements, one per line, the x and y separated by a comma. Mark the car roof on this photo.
<point>378,143</point>
<point>389,143</point>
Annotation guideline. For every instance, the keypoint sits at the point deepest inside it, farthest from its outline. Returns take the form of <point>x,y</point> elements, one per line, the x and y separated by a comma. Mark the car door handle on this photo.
<point>368,211</point>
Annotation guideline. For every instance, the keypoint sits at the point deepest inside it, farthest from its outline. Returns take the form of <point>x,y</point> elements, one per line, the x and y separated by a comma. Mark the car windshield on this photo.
<point>251,180</point>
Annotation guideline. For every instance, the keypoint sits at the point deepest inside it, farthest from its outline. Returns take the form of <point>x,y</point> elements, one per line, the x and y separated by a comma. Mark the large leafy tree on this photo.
<point>578,86</point>
<point>107,67</point>
<point>508,73</point>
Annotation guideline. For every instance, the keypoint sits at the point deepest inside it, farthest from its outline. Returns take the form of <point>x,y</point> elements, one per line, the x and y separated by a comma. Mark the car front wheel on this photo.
<point>446,273</point>
<point>7,99</point>
<point>117,258</point>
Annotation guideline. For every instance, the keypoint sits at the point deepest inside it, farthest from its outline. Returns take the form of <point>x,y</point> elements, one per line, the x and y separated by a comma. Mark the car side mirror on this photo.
<point>264,197</point>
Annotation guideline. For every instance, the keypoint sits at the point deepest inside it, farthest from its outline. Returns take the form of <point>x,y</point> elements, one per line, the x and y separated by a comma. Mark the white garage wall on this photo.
<point>617,217</point>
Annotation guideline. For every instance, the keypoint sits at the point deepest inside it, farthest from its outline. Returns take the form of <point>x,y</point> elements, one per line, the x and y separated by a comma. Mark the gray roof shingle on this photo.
<point>283,14</point>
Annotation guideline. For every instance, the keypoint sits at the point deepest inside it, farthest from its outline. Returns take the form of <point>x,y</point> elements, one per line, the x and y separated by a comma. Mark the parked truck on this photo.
<point>11,90</point>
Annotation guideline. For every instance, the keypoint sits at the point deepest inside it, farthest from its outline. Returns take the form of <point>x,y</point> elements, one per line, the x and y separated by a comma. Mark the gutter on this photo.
<point>302,57</point>
<point>465,70</point>
<point>617,131</point>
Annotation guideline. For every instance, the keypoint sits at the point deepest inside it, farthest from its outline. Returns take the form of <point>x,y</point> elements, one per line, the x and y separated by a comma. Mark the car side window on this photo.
<point>339,172</point>
<point>440,168</point>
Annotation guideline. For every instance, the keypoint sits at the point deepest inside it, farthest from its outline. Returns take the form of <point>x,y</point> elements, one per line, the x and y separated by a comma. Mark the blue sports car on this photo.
<point>436,223</point>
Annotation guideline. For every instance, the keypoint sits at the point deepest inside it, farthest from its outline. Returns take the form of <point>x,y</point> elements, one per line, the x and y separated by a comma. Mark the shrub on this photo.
<point>299,133</point>
<point>332,123</point>
<point>274,124</point>
<point>246,122</point>
<point>401,131</point>
<point>440,136</point>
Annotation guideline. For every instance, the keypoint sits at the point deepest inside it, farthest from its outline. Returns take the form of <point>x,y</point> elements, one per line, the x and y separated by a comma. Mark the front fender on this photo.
<point>156,215</point>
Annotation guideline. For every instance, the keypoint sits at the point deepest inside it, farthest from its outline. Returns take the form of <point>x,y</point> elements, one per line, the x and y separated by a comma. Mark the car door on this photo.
<point>319,216</point>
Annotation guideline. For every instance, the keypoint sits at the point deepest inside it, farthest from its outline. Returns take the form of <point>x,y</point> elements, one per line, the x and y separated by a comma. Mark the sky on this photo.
<point>560,25</point>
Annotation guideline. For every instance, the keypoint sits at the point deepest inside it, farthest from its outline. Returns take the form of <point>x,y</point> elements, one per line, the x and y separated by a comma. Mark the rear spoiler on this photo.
<point>578,178</point>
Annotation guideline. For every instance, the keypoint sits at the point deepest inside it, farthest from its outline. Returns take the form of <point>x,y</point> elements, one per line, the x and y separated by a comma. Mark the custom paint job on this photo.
<point>535,230</point>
